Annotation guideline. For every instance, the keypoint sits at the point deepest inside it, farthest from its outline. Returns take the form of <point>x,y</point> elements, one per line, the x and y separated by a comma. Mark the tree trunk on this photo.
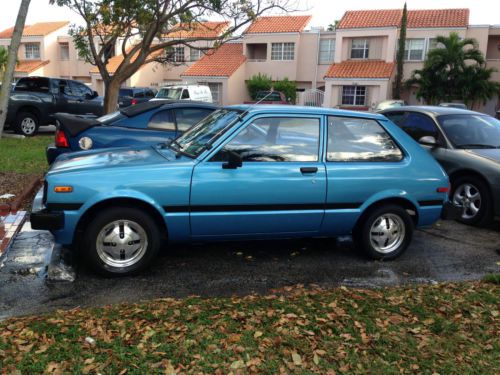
<point>112,89</point>
<point>15,41</point>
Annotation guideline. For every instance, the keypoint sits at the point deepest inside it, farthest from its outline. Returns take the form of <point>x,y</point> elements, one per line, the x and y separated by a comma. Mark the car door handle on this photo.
<point>308,169</point>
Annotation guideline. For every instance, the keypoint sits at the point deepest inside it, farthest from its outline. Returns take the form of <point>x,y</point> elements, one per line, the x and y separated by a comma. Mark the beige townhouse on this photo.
<point>39,52</point>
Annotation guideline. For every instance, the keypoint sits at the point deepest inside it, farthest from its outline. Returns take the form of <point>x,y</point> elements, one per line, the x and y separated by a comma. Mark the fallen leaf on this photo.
<point>297,359</point>
<point>257,334</point>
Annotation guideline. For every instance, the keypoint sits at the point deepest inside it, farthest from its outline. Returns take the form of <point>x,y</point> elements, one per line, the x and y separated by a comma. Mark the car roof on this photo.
<point>140,108</point>
<point>294,109</point>
<point>432,110</point>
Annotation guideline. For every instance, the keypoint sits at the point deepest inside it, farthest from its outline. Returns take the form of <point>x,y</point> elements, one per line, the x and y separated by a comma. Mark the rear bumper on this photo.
<point>52,152</point>
<point>450,211</point>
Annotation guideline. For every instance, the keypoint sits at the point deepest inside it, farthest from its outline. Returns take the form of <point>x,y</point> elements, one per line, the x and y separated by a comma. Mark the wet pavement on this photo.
<point>448,251</point>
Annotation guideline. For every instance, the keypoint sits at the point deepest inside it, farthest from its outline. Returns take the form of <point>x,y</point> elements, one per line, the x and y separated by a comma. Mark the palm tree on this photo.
<point>455,71</point>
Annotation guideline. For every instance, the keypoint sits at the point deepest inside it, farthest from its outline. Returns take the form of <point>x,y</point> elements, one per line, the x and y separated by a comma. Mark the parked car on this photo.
<point>246,172</point>
<point>270,97</point>
<point>134,95</point>
<point>185,92</point>
<point>467,145</point>
<point>143,124</point>
<point>453,105</point>
<point>385,104</point>
<point>35,100</point>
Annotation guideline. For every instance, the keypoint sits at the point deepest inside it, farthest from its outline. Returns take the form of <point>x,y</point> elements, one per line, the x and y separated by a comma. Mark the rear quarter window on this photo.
<point>360,140</point>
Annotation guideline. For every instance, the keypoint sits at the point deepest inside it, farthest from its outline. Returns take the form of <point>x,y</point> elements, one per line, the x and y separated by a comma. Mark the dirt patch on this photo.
<point>14,183</point>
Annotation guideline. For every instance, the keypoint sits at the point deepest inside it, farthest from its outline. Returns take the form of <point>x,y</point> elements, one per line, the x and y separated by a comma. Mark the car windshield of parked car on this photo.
<point>471,131</point>
<point>197,139</point>
<point>169,93</point>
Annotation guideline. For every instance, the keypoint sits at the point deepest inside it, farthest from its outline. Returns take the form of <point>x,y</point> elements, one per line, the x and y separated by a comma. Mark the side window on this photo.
<point>187,117</point>
<point>396,117</point>
<point>280,139</point>
<point>185,94</point>
<point>150,94</point>
<point>79,89</point>
<point>360,140</point>
<point>139,94</point>
<point>162,120</point>
<point>65,88</point>
<point>418,125</point>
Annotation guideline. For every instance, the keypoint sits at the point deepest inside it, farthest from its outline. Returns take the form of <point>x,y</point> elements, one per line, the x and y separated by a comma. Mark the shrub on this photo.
<point>289,88</point>
<point>259,82</point>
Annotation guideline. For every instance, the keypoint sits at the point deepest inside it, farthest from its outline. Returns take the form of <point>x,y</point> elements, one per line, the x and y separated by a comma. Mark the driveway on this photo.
<point>448,251</point>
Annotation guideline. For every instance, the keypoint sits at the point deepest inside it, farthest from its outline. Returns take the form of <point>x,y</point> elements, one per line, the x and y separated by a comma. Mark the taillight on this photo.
<point>61,140</point>
<point>134,101</point>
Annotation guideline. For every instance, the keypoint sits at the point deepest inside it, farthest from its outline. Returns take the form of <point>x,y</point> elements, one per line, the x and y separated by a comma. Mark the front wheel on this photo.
<point>121,241</point>
<point>385,233</point>
<point>473,197</point>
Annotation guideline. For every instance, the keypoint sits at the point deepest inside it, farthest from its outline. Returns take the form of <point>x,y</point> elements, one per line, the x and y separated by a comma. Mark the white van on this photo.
<point>186,92</point>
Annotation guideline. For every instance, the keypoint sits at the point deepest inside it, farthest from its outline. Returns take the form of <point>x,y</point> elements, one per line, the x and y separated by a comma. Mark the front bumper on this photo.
<point>43,219</point>
<point>450,211</point>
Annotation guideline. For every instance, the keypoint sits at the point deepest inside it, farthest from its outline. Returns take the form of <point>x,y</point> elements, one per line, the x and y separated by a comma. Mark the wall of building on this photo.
<point>378,90</point>
<point>382,43</point>
<point>237,92</point>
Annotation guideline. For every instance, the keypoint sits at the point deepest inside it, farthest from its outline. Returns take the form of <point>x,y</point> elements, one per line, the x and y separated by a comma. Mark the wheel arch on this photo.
<point>120,202</point>
<point>30,109</point>
<point>399,201</point>
<point>459,173</point>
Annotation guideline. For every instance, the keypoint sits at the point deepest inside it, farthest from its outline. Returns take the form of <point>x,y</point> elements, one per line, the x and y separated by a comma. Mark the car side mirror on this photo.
<point>89,96</point>
<point>428,140</point>
<point>95,94</point>
<point>234,161</point>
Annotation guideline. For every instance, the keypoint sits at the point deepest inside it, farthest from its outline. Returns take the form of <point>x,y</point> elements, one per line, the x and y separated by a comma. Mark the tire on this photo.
<point>110,260</point>
<point>473,196</point>
<point>26,124</point>
<point>372,235</point>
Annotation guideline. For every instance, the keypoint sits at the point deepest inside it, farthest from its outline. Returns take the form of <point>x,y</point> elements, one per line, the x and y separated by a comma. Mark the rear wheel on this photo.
<point>472,195</point>
<point>26,124</point>
<point>121,241</point>
<point>385,233</point>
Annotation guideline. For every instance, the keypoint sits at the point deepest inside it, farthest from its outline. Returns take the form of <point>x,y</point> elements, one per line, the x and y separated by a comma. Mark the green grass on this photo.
<point>493,278</point>
<point>446,329</point>
<point>24,155</point>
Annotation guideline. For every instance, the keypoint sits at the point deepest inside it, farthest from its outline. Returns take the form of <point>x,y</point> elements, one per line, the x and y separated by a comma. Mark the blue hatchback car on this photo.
<point>246,172</point>
<point>141,124</point>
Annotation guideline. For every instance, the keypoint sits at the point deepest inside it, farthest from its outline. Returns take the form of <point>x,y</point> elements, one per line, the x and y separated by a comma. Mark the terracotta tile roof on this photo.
<point>278,24</point>
<point>223,62</point>
<point>37,29</point>
<point>361,69</point>
<point>438,18</point>
<point>115,61</point>
<point>198,30</point>
<point>28,66</point>
<point>416,18</point>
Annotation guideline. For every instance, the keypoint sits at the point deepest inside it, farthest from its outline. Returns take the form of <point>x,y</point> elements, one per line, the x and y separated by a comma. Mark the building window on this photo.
<point>360,49</point>
<point>32,51</point>
<point>414,49</point>
<point>282,51</point>
<point>354,95</point>
<point>178,54</point>
<point>63,51</point>
<point>326,51</point>
<point>433,44</point>
<point>195,54</point>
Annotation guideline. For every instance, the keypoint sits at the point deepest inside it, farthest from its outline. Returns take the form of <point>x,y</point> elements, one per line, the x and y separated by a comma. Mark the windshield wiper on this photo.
<point>477,145</point>
<point>178,149</point>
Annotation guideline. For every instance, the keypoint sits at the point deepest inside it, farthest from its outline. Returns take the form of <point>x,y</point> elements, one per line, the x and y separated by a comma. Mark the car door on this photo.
<point>67,101</point>
<point>280,187</point>
<point>85,99</point>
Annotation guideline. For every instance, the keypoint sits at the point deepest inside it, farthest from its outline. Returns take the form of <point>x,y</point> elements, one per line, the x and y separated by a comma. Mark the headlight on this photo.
<point>85,143</point>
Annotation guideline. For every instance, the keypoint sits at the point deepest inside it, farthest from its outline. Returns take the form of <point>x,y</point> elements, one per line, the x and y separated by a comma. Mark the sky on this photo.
<point>324,12</point>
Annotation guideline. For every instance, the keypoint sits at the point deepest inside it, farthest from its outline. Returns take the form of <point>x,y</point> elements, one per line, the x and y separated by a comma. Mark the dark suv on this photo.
<point>133,95</point>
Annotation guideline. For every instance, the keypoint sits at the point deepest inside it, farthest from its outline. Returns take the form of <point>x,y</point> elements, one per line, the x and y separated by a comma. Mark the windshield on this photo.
<point>471,131</point>
<point>169,93</point>
<point>206,132</point>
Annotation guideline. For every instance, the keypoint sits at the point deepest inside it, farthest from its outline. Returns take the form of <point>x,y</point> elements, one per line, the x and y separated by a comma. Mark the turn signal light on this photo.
<point>63,189</point>
<point>443,189</point>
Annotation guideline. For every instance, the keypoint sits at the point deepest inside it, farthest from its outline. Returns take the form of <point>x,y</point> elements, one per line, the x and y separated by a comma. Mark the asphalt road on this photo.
<point>448,251</point>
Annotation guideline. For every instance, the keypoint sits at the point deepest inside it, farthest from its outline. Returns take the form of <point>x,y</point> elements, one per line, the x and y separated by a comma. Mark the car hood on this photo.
<point>490,153</point>
<point>110,158</point>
